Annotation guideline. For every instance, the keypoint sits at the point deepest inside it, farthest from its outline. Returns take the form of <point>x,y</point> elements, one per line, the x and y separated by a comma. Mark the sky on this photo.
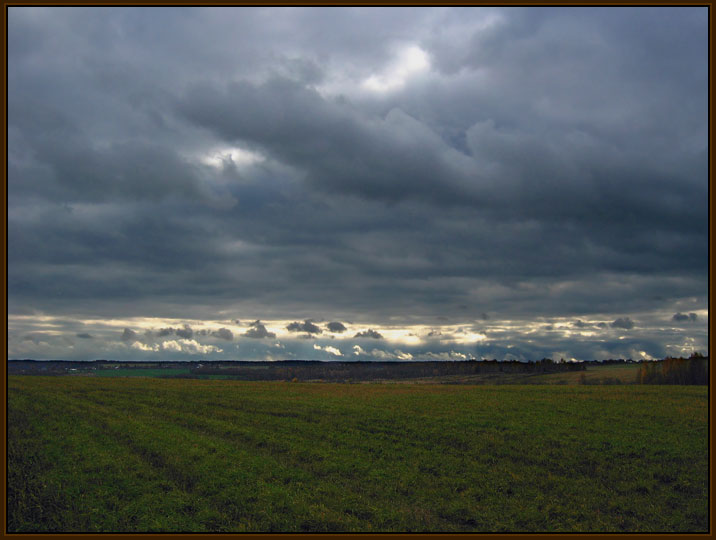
<point>354,183</point>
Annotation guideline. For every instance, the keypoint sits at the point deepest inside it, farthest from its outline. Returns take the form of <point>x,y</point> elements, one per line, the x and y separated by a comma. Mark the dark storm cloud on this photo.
<point>623,322</point>
<point>258,331</point>
<point>547,162</point>
<point>401,157</point>
<point>370,333</point>
<point>683,317</point>
<point>78,171</point>
<point>336,327</point>
<point>306,326</point>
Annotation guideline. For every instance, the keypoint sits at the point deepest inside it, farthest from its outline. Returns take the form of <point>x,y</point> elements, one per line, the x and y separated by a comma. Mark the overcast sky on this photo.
<point>357,183</point>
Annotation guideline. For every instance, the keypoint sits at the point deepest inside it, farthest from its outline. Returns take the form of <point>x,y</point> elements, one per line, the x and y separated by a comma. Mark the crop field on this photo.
<point>121,454</point>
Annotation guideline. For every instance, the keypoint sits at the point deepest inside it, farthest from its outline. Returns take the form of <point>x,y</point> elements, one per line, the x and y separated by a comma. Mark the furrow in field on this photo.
<point>345,475</point>
<point>88,479</point>
<point>463,460</point>
<point>345,428</point>
<point>263,472</point>
<point>340,453</point>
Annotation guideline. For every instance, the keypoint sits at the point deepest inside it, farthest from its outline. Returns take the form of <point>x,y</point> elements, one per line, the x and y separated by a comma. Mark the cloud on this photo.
<point>223,333</point>
<point>403,158</point>
<point>683,317</point>
<point>185,332</point>
<point>128,335</point>
<point>145,191</point>
<point>623,322</point>
<point>336,327</point>
<point>370,333</point>
<point>138,345</point>
<point>449,355</point>
<point>306,326</point>
<point>382,355</point>
<point>395,355</point>
<point>331,350</point>
<point>84,335</point>
<point>189,346</point>
<point>172,345</point>
<point>258,331</point>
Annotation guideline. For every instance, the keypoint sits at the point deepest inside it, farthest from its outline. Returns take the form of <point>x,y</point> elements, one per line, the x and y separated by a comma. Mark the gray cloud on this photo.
<point>580,324</point>
<point>683,317</point>
<point>223,333</point>
<point>185,333</point>
<point>623,322</point>
<point>370,333</point>
<point>258,331</point>
<point>336,327</point>
<point>306,326</point>
<point>84,335</point>
<point>128,335</point>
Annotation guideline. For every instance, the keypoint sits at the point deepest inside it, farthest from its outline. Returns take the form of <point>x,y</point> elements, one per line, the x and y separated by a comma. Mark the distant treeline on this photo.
<point>693,370</point>
<point>305,370</point>
<point>366,371</point>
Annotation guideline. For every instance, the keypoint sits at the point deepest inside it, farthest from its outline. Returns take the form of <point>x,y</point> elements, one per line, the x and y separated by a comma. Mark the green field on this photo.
<point>141,454</point>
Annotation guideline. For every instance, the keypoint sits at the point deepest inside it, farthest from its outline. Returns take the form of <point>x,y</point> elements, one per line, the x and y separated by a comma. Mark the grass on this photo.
<point>165,455</point>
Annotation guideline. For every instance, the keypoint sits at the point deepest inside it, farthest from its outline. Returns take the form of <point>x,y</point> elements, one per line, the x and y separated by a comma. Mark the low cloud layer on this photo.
<point>490,167</point>
<point>591,339</point>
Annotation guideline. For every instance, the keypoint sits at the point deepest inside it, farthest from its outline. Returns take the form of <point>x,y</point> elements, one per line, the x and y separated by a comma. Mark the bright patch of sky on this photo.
<point>221,157</point>
<point>408,62</point>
